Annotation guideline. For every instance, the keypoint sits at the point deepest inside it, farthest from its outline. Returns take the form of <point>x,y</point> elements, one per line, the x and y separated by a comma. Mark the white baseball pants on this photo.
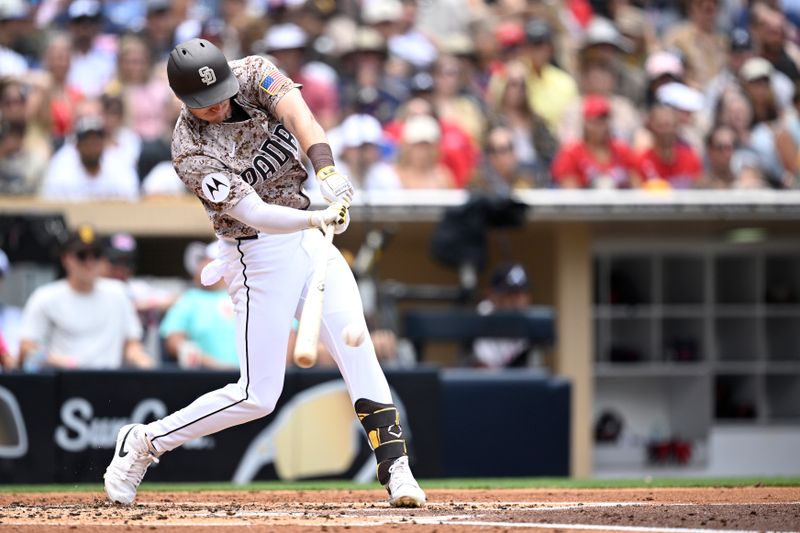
<point>266,278</point>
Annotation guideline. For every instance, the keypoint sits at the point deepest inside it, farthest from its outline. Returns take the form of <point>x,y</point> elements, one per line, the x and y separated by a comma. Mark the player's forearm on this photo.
<point>269,218</point>
<point>294,113</point>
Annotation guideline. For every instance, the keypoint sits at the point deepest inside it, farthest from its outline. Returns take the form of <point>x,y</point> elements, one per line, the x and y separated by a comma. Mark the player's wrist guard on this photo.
<point>326,172</point>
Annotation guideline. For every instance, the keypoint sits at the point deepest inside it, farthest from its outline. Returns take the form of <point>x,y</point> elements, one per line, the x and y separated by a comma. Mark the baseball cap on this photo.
<point>538,31</point>
<point>602,31</point>
<point>377,11</point>
<point>680,97</point>
<point>740,40</point>
<point>121,248</point>
<point>509,34</point>
<point>458,44</point>
<point>421,82</point>
<point>84,9</point>
<point>13,10</point>
<point>663,63</point>
<point>84,237</point>
<point>286,36</point>
<point>421,129</point>
<point>157,6</point>
<point>509,277</point>
<point>196,252</point>
<point>5,265</point>
<point>595,106</point>
<point>358,130</point>
<point>87,125</point>
<point>756,68</point>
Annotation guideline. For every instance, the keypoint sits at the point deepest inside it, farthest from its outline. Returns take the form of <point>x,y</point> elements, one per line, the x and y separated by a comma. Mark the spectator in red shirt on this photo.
<point>670,162</point>
<point>598,160</point>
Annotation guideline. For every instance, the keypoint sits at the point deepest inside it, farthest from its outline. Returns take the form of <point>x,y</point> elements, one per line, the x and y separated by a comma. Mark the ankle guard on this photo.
<point>381,421</point>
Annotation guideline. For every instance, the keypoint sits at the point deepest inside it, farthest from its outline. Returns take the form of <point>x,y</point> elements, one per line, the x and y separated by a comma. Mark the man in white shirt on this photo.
<point>88,170</point>
<point>81,321</point>
<point>94,59</point>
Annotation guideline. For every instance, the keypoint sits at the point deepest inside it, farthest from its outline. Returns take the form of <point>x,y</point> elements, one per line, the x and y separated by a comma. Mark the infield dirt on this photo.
<point>720,509</point>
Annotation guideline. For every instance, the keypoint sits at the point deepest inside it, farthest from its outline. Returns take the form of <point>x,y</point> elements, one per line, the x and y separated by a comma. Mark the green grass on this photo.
<point>486,484</point>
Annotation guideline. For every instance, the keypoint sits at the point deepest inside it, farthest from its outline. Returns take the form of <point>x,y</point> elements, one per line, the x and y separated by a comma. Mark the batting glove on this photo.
<point>336,213</point>
<point>335,187</point>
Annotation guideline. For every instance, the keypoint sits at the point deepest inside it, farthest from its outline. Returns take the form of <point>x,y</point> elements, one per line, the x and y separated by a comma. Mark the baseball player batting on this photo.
<point>237,146</point>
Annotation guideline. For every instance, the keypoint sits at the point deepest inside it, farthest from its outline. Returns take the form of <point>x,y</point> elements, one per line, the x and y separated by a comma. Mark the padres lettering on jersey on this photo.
<point>223,163</point>
<point>278,150</point>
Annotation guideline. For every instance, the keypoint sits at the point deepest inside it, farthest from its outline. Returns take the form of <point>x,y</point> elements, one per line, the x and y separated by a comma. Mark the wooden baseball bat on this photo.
<point>305,348</point>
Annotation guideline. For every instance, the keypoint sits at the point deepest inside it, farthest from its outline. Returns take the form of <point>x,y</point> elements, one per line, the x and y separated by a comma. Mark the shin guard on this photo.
<point>381,421</point>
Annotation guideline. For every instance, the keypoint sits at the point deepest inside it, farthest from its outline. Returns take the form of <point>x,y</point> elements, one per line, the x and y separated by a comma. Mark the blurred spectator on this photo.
<point>599,160</point>
<point>63,96</point>
<point>287,43</point>
<point>22,105</point>
<point>741,49</point>
<point>661,68</point>
<point>501,172</point>
<point>457,152</point>
<point>718,171</point>
<point>86,170</point>
<point>122,144</point>
<point>93,55</point>
<point>83,320</point>
<point>603,44</point>
<point>635,25</point>
<point>702,47</point>
<point>670,162</point>
<point>686,102</point>
<point>158,31</point>
<point>725,166</point>
<point>20,170</point>
<point>396,20</point>
<point>357,145</point>
<point>769,138</point>
<point>550,89</point>
<point>119,261</point>
<point>418,165</point>
<point>10,322</point>
<point>163,181</point>
<point>364,86</point>
<point>11,62</point>
<point>145,96</point>
<point>768,29</point>
<point>451,100</point>
<point>598,79</point>
<point>200,328</point>
<point>534,144</point>
<point>508,290</point>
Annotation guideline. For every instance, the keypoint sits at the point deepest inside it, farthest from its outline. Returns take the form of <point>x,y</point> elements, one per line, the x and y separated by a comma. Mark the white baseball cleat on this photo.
<point>403,489</point>
<point>132,456</point>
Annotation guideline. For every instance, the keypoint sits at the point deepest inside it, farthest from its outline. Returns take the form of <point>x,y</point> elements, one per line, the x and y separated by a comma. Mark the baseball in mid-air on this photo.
<point>354,334</point>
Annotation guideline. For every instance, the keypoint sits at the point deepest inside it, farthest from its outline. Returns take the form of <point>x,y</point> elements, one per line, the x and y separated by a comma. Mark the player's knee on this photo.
<point>260,406</point>
<point>381,421</point>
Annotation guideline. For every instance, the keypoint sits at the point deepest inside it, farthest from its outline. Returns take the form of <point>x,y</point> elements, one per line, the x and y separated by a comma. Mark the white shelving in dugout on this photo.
<point>725,318</point>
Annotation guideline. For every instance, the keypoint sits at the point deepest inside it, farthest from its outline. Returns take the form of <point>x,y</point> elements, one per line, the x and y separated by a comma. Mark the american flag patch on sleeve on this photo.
<point>273,81</point>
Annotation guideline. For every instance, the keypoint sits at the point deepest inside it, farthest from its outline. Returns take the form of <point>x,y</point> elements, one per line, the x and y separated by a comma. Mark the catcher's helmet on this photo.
<point>199,74</point>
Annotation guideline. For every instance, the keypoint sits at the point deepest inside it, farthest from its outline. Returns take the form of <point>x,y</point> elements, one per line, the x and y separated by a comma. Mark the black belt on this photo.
<point>247,238</point>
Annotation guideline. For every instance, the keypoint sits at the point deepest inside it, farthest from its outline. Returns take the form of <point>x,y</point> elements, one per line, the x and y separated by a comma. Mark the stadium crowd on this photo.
<point>489,96</point>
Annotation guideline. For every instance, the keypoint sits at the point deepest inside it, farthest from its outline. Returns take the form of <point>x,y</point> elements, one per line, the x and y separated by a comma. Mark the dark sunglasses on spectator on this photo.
<point>723,146</point>
<point>499,149</point>
<point>85,255</point>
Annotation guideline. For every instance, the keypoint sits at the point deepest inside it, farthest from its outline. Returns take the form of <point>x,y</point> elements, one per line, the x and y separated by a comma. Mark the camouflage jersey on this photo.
<point>223,163</point>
